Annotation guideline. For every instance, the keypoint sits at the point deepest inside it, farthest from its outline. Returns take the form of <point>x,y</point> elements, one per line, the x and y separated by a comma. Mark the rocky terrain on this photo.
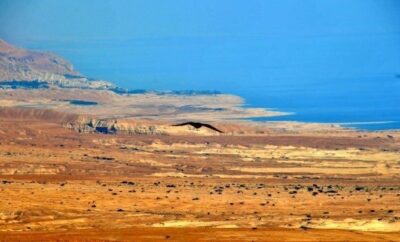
<point>17,64</point>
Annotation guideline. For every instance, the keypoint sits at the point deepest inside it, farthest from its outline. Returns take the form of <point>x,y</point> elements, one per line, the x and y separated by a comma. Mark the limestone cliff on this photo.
<point>135,127</point>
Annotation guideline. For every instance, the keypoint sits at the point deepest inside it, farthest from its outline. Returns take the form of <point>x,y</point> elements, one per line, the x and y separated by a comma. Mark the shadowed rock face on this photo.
<point>199,125</point>
<point>17,64</point>
<point>104,130</point>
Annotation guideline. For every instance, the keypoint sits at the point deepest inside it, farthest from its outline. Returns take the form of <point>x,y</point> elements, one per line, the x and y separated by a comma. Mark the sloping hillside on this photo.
<point>12,113</point>
<point>17,64</point>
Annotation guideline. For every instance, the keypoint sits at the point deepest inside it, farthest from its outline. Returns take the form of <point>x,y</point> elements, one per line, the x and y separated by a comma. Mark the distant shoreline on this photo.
<point>361,126</point>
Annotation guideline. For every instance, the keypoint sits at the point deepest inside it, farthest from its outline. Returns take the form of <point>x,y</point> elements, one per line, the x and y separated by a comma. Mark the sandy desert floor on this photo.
<point>60,185</point>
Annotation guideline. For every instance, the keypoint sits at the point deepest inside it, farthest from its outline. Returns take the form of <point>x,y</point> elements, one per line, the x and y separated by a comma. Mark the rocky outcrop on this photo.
<point>114,127</point>
<point>17,64</point>
<point>130,127</point>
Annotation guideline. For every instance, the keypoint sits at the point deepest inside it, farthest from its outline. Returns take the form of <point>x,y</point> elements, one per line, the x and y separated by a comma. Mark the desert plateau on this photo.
<point>318,186</point>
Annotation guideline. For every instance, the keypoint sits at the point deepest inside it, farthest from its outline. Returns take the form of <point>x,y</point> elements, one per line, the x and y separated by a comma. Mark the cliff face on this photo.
<point>17,64</point>
<point>112,127</point>
<point>134,127</point>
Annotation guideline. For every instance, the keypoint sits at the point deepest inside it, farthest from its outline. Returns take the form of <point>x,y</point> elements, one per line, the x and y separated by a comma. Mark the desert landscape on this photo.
<point>83,161</point>
<point>60,184</point>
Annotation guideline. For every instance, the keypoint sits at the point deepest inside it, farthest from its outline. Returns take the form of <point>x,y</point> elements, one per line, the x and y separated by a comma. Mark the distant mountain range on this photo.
<point>22,68</point>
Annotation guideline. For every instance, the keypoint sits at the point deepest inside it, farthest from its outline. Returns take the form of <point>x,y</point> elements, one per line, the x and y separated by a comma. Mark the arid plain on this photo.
<point>270,185</point>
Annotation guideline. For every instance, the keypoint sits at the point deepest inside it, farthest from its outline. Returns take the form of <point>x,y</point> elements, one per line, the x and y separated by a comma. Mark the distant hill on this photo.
<point>27,69</point>
<point>47,69</point>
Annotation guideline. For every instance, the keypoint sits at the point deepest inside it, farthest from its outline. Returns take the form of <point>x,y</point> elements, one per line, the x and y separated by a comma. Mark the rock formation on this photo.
<point>17,64</point>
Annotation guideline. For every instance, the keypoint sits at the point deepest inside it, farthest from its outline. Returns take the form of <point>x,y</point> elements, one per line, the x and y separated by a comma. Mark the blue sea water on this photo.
<point>351,80</point>
<point>373,115</point>
<point>369,123</point>
<point>370,105</point>
<point>326,61</point>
